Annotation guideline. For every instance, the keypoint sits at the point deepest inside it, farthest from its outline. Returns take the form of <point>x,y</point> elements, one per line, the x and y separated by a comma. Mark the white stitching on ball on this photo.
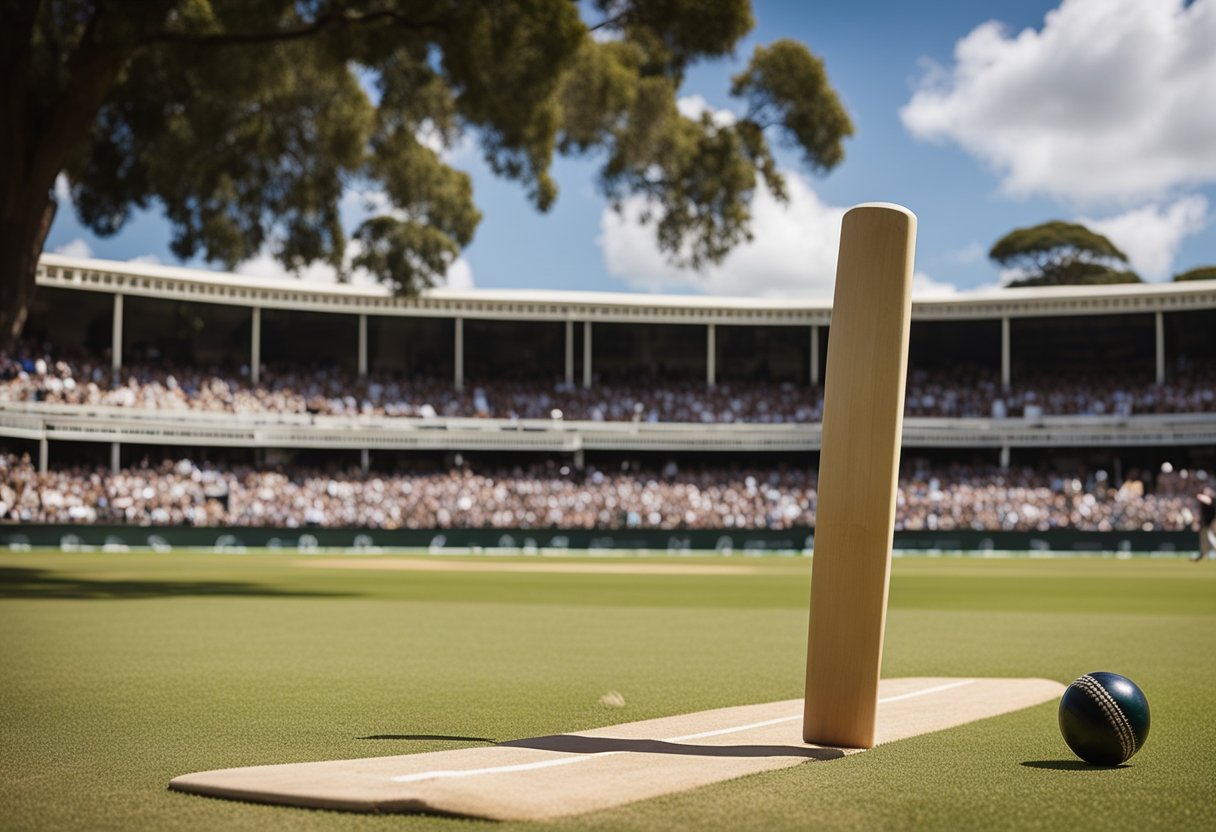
<point>1111,710</point>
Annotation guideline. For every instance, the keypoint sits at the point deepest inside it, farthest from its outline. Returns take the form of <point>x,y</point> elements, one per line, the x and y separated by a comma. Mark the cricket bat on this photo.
<point>867,366</point>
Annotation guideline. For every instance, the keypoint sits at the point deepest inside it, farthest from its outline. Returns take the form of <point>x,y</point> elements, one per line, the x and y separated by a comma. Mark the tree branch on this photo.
<point>609,21</point>
<point>91,70</point>
<point>291,33</point>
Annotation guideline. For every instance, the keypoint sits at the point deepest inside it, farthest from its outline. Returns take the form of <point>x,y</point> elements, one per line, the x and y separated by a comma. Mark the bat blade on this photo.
<point>867,366</point>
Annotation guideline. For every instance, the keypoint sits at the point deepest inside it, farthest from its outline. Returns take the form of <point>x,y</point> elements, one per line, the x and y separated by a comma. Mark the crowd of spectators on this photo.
<point>964,391</point>
<point>958,497</point>
<point>969,391</point>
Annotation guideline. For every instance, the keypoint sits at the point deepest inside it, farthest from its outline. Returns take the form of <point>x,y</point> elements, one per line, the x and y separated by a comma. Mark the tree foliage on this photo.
<point>1060,253</point>
<point>247,121</point>
<point>1200,273</point>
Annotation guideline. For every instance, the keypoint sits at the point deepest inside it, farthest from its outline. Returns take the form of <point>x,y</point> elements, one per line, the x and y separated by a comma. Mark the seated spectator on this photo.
<point>960,392</point>
<point>954,497</point>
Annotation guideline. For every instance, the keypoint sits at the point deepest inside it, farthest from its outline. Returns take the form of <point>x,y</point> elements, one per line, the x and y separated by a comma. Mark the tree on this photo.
<point>1060,253</point>
<point>246,121</point>
<point>1200,273</point>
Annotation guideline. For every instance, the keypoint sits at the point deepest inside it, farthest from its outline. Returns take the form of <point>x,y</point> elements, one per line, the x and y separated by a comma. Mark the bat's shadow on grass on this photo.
<point>1070,765</point>
<point>18,582</point>
<point>575,744</point>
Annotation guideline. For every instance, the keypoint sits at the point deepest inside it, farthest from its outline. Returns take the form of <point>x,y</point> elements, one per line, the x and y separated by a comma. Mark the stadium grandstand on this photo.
<point>149,396</point>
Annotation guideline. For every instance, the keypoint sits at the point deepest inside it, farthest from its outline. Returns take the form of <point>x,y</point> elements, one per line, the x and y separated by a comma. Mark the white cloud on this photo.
<point>459,150</point>
<point>793,253</point>
<point>692,106</point>
<point>264,264</point>
<point>1150,236</point>
<point>76,248</point>
<point>924,286</point>
<point>150,259</point>
<point>459,274</point>
<point>1110,100</point>
<point>63,190</point>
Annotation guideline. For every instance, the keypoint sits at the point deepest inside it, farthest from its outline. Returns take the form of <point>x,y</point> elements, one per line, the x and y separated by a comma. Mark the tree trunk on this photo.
<point>23,230</point>
<point>43,117</point>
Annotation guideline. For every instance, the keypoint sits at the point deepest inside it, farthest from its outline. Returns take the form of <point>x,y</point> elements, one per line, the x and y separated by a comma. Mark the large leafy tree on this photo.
<point>1200,273</point>
<point>245,121</point>
<point>1059,253</point>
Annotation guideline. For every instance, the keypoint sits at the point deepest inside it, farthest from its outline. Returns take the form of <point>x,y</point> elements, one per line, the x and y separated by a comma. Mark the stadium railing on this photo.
<point>54,422</point>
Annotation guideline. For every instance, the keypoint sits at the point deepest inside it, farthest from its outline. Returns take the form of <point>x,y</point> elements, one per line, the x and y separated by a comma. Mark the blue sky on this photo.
<point>980,117</point>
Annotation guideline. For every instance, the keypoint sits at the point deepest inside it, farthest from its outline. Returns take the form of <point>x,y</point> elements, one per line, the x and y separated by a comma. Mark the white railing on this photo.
<point>36,421</point>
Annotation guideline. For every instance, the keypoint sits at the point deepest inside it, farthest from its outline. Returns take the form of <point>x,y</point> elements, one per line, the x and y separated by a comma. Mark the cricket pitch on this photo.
<point>568,774</point>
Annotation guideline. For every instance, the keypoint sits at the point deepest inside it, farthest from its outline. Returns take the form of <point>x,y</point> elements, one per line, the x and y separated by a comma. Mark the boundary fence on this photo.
<point>439,541</point>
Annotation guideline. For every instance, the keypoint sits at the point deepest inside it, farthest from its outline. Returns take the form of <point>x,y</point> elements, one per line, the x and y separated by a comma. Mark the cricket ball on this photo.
<point>1104,718</point>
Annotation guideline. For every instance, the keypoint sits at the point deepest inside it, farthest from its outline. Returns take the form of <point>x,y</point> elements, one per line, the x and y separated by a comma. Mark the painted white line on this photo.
<point>565,761</point>
<point>722,731</point>
<point>778,720</point>
<point>438,775</point>
<point>925,692</point>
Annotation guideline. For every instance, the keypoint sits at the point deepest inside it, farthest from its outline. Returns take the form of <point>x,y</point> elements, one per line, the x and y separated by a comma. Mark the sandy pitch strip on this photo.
<point>540,566</point>
<point>567,774</point>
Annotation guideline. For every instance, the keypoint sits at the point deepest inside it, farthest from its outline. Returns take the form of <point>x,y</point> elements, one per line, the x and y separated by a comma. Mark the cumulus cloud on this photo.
<point>793,253</point>
<point>1150,236</point>
<point>76,248</point>
<point>692,106</point>
<point>150,259</point>
<point>459,274</point>
<point>1110,101</point>
<point>924,286</point>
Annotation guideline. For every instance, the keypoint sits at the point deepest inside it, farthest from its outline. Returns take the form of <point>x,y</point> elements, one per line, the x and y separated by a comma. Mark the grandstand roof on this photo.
<point>198,285</point>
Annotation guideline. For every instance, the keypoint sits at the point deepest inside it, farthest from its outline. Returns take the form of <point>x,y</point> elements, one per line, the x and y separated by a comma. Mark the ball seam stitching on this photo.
<point>1113,713</point>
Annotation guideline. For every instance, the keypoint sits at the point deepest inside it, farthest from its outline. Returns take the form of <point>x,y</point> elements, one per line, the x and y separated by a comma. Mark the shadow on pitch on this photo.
<point>575,744</point>
<point>432,737</point>
<point>42,583</point>
<point>1070,765</point>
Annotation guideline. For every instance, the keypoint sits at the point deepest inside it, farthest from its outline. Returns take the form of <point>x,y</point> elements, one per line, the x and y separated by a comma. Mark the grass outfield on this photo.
<point>119,671</point>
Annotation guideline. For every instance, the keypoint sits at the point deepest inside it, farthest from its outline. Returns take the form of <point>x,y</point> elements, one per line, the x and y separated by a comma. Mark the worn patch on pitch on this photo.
<point>567,774</point>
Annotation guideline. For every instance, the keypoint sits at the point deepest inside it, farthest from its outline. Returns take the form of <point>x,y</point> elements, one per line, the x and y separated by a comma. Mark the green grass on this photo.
<point>119,671</point>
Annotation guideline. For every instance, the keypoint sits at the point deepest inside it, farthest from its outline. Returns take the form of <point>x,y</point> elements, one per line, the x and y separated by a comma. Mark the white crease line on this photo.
<point>564,761</point>
<point>778,720</point>
<point>722,731</point>
<point>925,692</point>
<point>436,775</point>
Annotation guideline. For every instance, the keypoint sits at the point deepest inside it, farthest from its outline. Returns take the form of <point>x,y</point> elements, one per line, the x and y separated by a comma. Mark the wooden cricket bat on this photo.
<point>867,367</point>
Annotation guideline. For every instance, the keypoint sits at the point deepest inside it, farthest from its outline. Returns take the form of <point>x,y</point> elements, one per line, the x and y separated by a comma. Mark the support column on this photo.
<point>362,346</point>
<point>569,353</point>
<point>44,455</point>
<point>1004,456</point>
<point>115,458</point>
<point>1005,378</point>
<point>255,346</point>
<point>459,354</point>
<point>815,355</point>
<point>1160,316</point>
<point>116,336</point>
<point>365,460</point>
<point>711,355</point>
<point>586,355</point>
